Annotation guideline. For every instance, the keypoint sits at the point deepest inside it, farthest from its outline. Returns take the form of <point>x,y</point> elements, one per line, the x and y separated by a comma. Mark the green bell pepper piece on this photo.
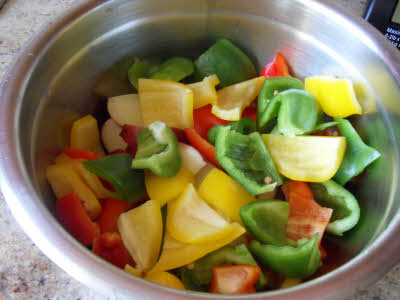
<point>116,169</point>
<point>267,113</point>
<point>174,69</point>
<point>243,126</point>
<point>289,261</point>
<point>158,150</point>
<point>227,61</point>
<point>247,160</point>
<point>346,211</point>
<point>266,220</point>
<point>357,156</point>
<point>200,275</point>
<point>139,69</point>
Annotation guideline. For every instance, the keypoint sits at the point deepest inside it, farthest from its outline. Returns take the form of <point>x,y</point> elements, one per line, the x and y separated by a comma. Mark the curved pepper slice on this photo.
<point>200,273</point>
<point>204,91</point>
<point>277,67</point>
<point>357,156</point>
<point>166,279</point>
<point>247,160</point>
<point>299,262</point>
<point>346,211</point>
<point>266,220</point>
<point>243,126</point>
<point>175,69</point>
<point>266,112</point>
<point>158,150</point>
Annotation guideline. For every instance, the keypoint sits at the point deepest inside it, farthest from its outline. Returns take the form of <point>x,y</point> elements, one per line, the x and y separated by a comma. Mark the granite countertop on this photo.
<point>25,273</point>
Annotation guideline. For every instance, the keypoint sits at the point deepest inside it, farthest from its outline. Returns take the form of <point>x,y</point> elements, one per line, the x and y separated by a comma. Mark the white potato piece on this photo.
<point>125,109</point>
<point>110,136</point>
<point>191,158</point>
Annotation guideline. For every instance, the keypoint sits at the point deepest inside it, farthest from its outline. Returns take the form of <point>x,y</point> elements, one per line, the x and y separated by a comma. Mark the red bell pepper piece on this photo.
<point>276,68</point>
<point>109,246</point>
<point>250,112</point>
<point>81,154</point>
<point>205,148</point>
<point>204,120</point>
<point>75,220</point>
<point>112,208</point>
<point>234,279</point>
<point>306,217</point>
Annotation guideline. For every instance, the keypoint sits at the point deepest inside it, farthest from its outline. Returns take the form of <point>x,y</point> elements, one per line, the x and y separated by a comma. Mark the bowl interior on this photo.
<point>60,87</point>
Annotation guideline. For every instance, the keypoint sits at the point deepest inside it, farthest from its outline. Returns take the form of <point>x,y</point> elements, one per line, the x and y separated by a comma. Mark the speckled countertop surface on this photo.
<point>25,273</point>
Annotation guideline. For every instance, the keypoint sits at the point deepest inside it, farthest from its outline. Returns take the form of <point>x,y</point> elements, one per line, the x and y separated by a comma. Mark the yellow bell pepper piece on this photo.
<point>306,158</point>
<point>91,180</point>
<point>133,271</point>
<point>167,279</point>
<point>289,282</point>
<point>164,189</point>
<point>336,96</point>
<point>233,99</point>
<point>190,219</point>
<point>224,193</point>
<point>176,254</point>
<point>204,92</point>
<point>167,101</point>
<point>64,180</point>
<point>85,135</point>
<point>141,232</point>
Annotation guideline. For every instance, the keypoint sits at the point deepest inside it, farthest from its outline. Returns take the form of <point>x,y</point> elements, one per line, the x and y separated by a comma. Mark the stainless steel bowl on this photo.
<point>50,84</point>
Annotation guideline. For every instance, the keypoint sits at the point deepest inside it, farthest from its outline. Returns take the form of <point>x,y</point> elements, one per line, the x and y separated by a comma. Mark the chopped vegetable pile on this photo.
<point>213,178</point>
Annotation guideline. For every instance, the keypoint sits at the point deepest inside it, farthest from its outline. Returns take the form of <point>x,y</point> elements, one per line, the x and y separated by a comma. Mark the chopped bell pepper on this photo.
<point>266,220</point>
<point>174,69</point>
<point>204,120</point>
<point>166,279</point>
<point>295,262</point>
<point>81,154</point>
<point>247,160</point>
<point>141,231</point>
<point>85,135</point>
<point>224,193</point>
<point>277,67</point>
<point>233,99</point>
<point>243,126</point>
<point>139,69</point>
<point>346,211</point>
<point>116,169</point>
<point>200,274</point>
<point>204,91</point>
<point>227,61</point>
<point>191,158</point>
<point>357,156</point>
<point>268,111</point>
<point>158,150</point>
<point>133,271</point>
<point>112,209</point>
<point>290,282</point>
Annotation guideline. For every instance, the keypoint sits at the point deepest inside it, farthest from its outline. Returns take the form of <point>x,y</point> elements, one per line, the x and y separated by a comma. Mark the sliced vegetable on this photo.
<point>204,91</point>
<point>191,158</point>
<point>204,120</point>
<point>247,160</point>
<point>176,254</point>
<point>112,209</point>
<point>267,111</point>
<point>357,156</point>
<point>227,61</point>
<point>125,109</point>
<point>166,279</point>
<point>200,274</point>
<point>277,67</point>
<point>306,158</point>
<point>233,99</point>
<point>64,180</point>
<point>138,69</point>
<point>299,262</point>
<point>336,96</point>
<point>110,135</point>
<point>346,211</point>
<point>266,220</point>
<point>250,112</point>
<point>116,169</point>
<point>166,189</point>
<point>190,220</point>
<point>290,282</point>
<point>109,247</point>
<point>133,271</point>
<point>306,217</point>
<point>74,218</point>
<point>141,231</point>
<point>85,135</point>
<point>158,150</point>
<point>236,279</point>
<point>81,154</point>
<point>222,192</point>
<point>243,126</point>
<point>167,101</point>
<point>174,69</point>
<point>205,148</point>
